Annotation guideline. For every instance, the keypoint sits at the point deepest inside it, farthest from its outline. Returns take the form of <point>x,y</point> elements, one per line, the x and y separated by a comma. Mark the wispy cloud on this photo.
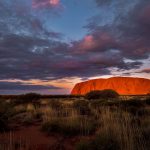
<point>147,70</point>
<point>45,3</point>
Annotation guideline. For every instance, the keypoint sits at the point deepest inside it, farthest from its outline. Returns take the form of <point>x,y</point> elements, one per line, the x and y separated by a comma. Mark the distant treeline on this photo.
<point>38,95</point>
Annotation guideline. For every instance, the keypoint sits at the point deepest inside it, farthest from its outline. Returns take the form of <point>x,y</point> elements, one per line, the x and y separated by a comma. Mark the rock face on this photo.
<point>122,85</point>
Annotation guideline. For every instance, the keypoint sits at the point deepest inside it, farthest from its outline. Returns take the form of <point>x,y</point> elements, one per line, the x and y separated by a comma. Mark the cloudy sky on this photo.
<point>47,46</point>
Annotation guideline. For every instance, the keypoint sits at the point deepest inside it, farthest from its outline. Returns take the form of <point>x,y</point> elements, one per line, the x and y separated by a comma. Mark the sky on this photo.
<point>47,46</point>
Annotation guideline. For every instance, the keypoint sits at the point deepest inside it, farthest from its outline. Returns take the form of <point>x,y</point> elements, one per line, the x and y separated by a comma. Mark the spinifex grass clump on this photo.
<point>82,106</point>
<point>10,142</point>
<point>70,126</point>
<point>117,130</point>
<point>6,112</point>
<point>147,101</point>
<point>27,98</point>
<point>67,122</point>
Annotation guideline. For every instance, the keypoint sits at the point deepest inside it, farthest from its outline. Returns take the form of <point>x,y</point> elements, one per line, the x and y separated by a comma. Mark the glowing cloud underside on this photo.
<point>45,3</point>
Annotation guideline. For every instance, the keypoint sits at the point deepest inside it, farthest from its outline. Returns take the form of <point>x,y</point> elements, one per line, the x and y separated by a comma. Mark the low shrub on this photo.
<point>105,142</point>
<point>61,96</point>
<point>82,145</point>
<point>104,102</point>
<point>52,126</point>
<point>132,103</point>
<point>147,101</point>
<point>107,94</point>
<point>55,104</point>
<point>70,126</point>
<point>145,123</point>
<point>6,112</point>
<point>28,120</point>
<point>82,106</point>
<point>93,95</point>
<point>100,142</point>
<point>27,98</point>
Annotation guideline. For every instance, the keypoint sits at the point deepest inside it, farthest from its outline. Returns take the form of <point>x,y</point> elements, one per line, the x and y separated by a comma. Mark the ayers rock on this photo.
<point>122,85</point>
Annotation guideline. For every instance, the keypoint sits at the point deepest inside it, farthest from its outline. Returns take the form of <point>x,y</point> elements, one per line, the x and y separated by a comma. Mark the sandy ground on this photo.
<point>32,137</point>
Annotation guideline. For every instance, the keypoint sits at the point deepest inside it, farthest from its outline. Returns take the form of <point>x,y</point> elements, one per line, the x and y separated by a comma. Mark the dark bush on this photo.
<point>82,106</point>
<point>27,98</point>
<point>93,95</point>
<point>61,96</point>
<point>55,104</point>
<point>132,103</point>
<point>133,106</point>
<point>83,145</point>
<point>6,112</point>
<point>104,102</point>
<point>147,101</point>
<point>108,93</point>
<point>51,127</point>
<point>104,142</point>
<point>70,127</point>
<point>101,142</point>
<point>79,127</point>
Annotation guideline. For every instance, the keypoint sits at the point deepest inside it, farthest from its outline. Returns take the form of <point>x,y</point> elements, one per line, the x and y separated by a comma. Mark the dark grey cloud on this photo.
<point>21,87</point>
<point>27,58</point>
<point>18,17</point>
<point>28,50</point>
<point>129,28</point>
<point>147,70</point>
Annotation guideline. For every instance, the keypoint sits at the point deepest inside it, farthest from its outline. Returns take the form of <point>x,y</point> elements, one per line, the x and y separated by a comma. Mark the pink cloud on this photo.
<point>147,70</point>
<point>144,15</point>
<point>99,41</point>
<point>54,2</point>
<point>87,43</point>
<point>45,3</point>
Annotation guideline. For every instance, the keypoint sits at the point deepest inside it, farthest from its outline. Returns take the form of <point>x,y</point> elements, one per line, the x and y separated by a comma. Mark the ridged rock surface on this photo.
<point>123,85</point>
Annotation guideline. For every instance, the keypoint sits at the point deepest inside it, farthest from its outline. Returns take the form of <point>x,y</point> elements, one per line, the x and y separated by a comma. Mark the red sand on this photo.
<point>37,140</point>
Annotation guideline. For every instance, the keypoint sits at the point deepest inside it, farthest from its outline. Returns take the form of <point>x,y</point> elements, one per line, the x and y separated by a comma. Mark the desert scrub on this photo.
<point>9,142</point>
<point>106,94</point>
<point>30,108</point>
<point>147,101</point>
<point>48,113</point>
<point>70,126</point>
<point>6,113</point>
<point>145,124</point>
<point>123,128</point>
<point>117,130</point>
<point>55,104</point>
<point>27,98</point>
<point>83,145</point>
<point>132,102</point>
<point>100,142</point>
<point>20,109</point>
<point>82,106</point>
<point>133,106</point>
<point>28,119</point>
<point>104,102</point>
